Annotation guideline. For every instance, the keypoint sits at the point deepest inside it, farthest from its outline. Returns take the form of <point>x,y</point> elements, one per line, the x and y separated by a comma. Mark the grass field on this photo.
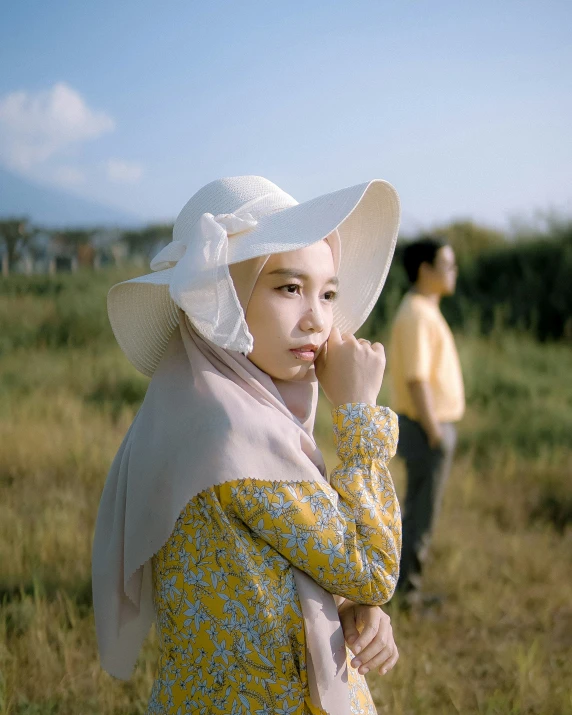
<point>501,645</point>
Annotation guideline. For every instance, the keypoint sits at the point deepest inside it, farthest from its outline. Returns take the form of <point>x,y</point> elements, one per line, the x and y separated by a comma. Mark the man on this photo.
<point>428,396</point>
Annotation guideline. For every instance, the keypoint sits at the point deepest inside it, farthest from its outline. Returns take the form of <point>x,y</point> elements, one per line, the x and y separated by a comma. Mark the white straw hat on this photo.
<point>237,218</point>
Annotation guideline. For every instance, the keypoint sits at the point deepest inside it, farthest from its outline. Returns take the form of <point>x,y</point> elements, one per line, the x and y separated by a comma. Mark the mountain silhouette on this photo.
<point>53,207</point>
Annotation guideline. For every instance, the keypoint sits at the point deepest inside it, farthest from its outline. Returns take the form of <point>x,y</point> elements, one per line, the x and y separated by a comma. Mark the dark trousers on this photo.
<point>427,471</point>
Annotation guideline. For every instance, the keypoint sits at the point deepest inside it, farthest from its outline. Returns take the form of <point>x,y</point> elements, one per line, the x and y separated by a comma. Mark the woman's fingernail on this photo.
<point>356,663</point>
<point>364,670</point>
<point>357,649</point>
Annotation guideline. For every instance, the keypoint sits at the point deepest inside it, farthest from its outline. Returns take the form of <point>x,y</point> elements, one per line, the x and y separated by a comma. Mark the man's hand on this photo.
<point>368,632</point>
<point>423,401</point>
<point>435,436</point>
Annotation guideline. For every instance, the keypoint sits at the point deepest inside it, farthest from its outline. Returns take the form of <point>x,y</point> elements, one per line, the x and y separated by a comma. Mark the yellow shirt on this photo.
<point>423,348</point>
<point>228,615</point>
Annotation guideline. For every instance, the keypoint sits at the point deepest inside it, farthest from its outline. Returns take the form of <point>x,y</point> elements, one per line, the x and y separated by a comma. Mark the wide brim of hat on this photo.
<point>143,315</point>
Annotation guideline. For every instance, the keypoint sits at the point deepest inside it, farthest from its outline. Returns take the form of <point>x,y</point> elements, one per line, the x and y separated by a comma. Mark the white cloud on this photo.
<point>35,126</point>
<point>123,172</point>
<point>67,175</point>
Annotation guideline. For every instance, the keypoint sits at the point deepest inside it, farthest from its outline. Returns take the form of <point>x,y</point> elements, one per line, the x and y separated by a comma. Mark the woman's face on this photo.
<point>290,311</point>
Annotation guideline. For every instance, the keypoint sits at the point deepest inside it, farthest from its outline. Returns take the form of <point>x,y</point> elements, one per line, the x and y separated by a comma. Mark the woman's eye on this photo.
<point>330,295</point>
<point>292,288</point>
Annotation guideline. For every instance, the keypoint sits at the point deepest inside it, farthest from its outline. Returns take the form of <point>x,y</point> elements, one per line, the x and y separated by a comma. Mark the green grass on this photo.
<point>501,644</point>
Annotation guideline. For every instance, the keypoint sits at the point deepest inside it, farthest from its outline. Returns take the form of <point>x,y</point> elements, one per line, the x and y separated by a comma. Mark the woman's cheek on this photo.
<point>282,309</point>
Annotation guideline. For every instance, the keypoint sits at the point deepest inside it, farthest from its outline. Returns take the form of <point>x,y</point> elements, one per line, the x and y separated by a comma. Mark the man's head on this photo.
<point>430,265</point>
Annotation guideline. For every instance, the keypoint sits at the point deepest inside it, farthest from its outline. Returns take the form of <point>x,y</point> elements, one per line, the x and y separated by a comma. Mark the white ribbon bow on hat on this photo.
<point>200,283</point>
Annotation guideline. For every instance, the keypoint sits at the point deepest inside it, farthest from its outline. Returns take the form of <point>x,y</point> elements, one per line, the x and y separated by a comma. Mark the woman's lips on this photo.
<point>307,353</point>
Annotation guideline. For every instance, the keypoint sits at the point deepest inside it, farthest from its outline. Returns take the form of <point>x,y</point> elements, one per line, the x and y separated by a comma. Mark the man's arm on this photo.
<point>423,401</point>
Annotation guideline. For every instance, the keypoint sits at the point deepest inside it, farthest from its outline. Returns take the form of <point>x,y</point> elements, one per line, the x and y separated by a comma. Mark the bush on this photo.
<point>55,311</point>
<point>522,285</point>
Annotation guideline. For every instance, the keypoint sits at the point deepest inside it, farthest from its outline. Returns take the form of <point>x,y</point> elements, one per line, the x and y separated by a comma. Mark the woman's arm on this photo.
<point>345,535</point>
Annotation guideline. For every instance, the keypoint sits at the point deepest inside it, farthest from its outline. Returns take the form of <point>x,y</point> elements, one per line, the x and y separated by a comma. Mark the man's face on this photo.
<point>443,272</point>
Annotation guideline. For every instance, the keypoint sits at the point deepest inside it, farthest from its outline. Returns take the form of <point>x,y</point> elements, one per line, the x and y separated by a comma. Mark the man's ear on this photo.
<point>424,269</point>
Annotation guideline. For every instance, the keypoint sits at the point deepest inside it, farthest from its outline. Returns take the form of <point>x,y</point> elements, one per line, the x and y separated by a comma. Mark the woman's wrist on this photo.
<point>355,400</point>
<point>364,432</point>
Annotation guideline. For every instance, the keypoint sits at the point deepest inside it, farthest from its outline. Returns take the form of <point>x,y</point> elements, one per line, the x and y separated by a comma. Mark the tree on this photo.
<point>148,239</point>
<point>71,238</point>
<point>470,240</point>
<point>14,234</point>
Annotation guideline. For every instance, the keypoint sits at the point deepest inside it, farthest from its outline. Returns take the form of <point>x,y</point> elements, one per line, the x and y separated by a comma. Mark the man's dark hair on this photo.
<point>423,250</point>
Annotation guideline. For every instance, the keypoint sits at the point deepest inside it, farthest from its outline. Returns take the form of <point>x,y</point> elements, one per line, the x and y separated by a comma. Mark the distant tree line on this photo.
<point>25,248</point>
<point>522,282</point>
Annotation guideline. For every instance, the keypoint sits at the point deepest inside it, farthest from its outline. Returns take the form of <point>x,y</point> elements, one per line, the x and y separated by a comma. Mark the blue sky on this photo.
<point>466,107</point>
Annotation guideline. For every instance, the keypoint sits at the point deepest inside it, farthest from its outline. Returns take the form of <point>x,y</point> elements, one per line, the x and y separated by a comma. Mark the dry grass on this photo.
<point>501,644</point>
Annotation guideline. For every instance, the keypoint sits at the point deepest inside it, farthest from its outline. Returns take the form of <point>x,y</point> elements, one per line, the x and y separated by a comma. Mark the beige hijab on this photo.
<point>209,416</point>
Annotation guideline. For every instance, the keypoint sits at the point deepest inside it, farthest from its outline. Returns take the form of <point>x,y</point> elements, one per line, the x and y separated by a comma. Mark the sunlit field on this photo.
<point>502,642</point>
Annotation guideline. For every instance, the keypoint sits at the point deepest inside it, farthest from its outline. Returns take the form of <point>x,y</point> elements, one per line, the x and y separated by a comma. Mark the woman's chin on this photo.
<point>298,372</point>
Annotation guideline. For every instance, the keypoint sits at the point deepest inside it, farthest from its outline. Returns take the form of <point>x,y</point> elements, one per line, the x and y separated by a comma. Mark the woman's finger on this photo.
<point>367,636</point>
<point>335,336</point>
<point>377,644</point>
<point>379,660</point>
<point>321,357</point>
<point>388,665</point>
<point>368,619</point>
<point>383,637</point>
<point>349,625</point>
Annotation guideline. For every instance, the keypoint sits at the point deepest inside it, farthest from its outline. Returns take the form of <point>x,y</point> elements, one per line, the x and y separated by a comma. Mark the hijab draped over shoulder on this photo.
<point>209,416</point>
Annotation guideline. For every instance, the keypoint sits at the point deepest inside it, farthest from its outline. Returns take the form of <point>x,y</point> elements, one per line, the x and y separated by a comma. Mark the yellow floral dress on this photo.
<point>228,615</point>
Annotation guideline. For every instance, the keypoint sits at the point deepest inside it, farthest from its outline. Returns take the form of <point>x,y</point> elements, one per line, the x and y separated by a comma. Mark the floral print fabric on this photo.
<point>228,615</point>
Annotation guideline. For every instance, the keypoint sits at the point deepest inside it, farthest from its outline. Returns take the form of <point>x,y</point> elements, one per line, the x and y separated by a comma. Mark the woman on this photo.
<point>216,517</point>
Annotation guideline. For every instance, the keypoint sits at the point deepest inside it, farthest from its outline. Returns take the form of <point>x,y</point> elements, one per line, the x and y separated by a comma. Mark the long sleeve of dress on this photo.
<point>347,534</point>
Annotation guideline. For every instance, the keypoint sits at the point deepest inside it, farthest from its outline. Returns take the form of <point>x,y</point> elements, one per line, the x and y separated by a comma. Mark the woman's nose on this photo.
<point>312,321</point>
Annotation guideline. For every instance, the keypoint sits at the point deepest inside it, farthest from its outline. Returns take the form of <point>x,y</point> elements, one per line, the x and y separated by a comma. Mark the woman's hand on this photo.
<point>368,632</point>
<point>350,370</point>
